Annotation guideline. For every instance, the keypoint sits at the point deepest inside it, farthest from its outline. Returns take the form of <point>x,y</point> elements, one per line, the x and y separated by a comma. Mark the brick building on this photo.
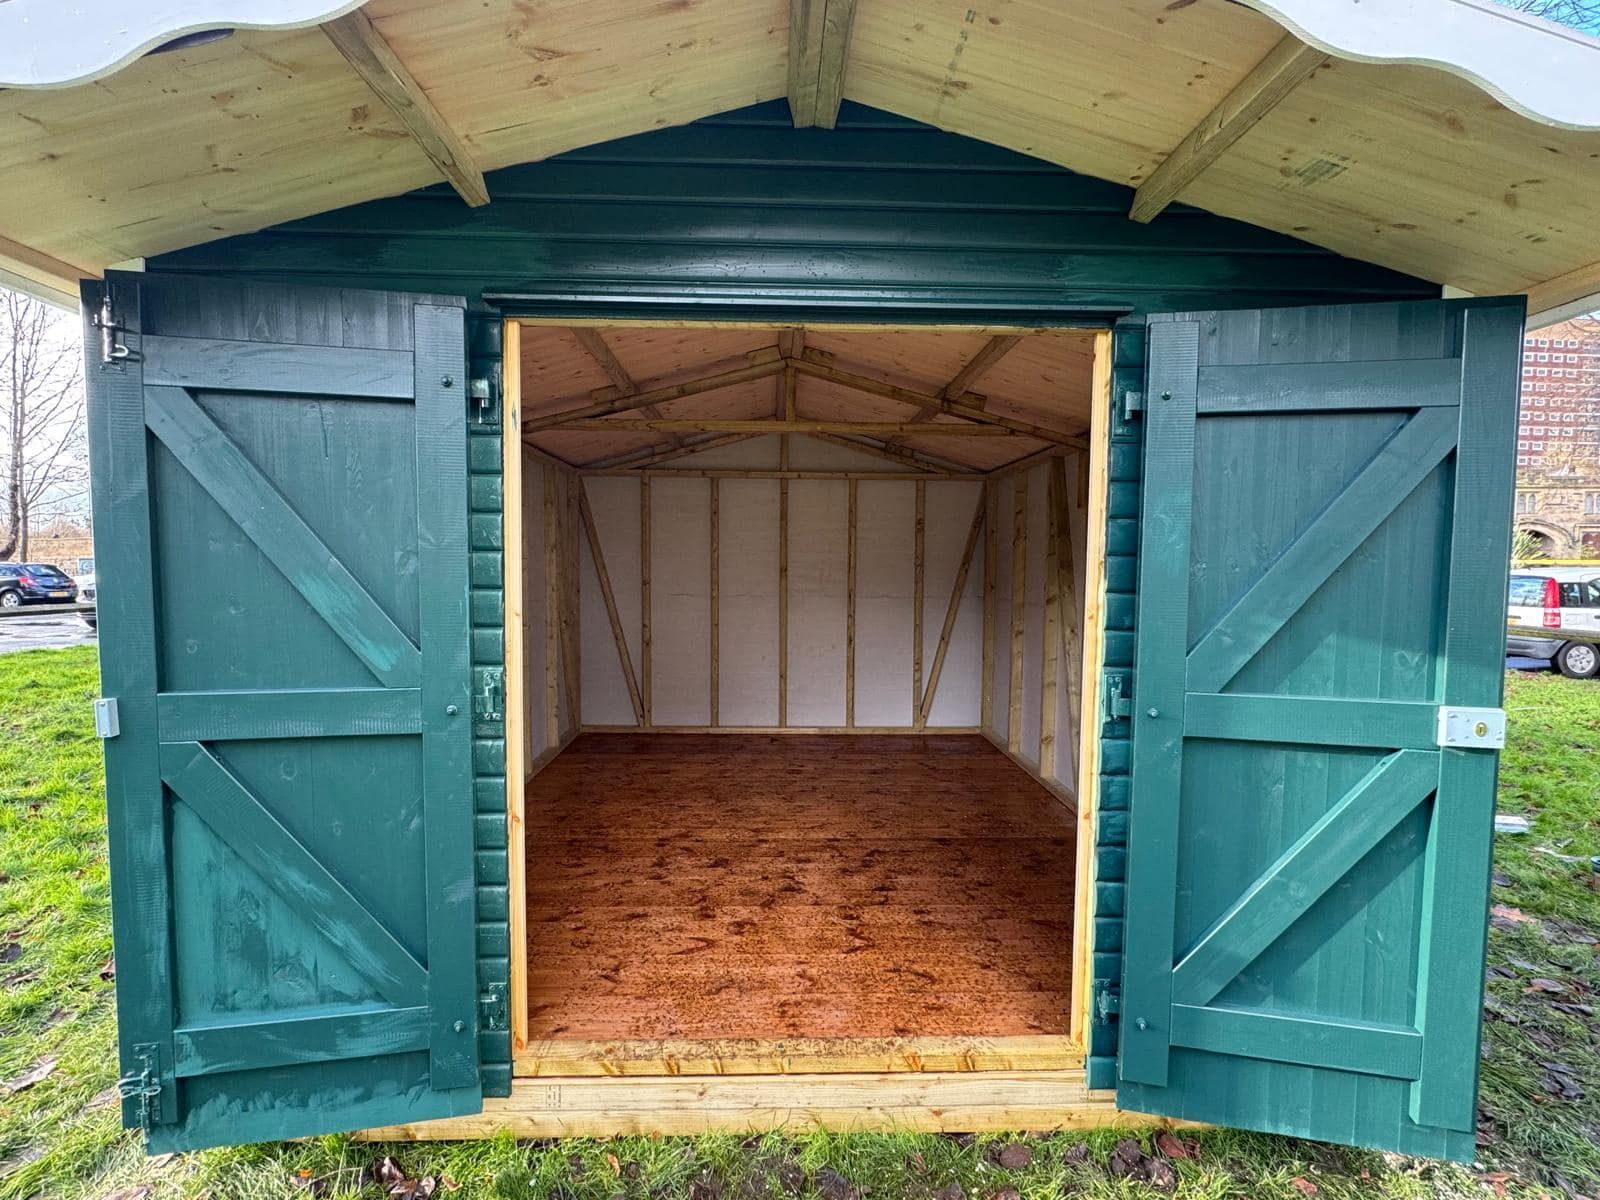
<point>1558,438</point>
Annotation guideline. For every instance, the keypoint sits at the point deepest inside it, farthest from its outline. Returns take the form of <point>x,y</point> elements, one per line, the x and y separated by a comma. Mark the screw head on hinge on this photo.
<point>1142,1024</point>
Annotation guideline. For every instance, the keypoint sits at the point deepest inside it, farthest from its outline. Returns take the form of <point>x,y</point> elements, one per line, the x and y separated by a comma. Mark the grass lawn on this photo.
<point>60,1135</point>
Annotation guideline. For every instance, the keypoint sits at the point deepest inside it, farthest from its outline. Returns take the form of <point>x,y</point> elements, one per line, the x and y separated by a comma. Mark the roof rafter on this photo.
<point>819,366</point>
<point>594,344</point>
<point>768,425</point>
<point>1285,67</point>
<point>355,37</point>
<point>975,369</point>
<point>819,46</point>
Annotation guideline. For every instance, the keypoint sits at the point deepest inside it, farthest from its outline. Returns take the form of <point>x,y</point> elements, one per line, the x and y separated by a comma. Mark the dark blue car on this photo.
<point>35,583</point>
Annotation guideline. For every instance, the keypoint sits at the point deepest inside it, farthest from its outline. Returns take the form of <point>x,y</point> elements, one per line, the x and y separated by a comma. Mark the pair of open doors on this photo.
<point>281,513</point>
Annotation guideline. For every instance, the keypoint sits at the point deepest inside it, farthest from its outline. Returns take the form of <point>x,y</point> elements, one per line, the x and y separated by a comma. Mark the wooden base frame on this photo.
<point>573,1088</point>
<point>985,1101</point>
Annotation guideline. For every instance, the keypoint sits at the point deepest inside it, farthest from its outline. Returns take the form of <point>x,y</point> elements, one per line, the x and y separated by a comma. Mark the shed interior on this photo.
<point>803,624</point>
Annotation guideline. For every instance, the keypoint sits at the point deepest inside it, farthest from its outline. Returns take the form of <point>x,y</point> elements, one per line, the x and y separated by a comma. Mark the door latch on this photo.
<point>490,700</point>
<point>1107,1003</point>
<point>112,348</point>
<point>105,718</point>
<point>144,1085</point>
<point>1118,694</point>
<point>481,391</point>
<point>492,1007</point>
<point>1471,728</point>
<point>1132,405</point>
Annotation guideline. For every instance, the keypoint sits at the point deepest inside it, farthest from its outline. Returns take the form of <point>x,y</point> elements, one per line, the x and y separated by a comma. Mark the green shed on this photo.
<point>799,586</point>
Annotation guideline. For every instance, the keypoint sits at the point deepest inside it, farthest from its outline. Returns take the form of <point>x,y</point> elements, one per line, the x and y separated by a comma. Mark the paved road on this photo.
<point>43,631</point>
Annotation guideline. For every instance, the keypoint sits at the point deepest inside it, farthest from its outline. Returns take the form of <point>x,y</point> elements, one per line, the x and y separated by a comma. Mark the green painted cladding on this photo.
<point>742,216</point>
<point>488,732</point>
<point>881,218</point>
<point>1324,521</point>
<point>280,501</point>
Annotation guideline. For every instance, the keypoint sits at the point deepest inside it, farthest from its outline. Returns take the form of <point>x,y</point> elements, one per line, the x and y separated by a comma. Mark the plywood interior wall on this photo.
<point>550,592</point>
<point>773,648</point>
<point>1038,724</point>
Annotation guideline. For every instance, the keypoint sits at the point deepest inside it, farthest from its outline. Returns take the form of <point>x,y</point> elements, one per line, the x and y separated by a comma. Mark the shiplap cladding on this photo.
<point>1034,484</point>
<point>748,659</point>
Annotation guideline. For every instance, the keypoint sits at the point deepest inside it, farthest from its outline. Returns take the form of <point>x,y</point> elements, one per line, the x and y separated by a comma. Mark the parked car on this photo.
<point>86,594</point>
<point>1554,614</point>
<point>34,583</point>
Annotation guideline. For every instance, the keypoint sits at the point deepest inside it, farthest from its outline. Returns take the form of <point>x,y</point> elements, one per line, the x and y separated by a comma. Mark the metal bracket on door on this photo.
<point>1471,728</point>
<point>106,724</point>
<point>112,349</point>
<point>144,1085</point>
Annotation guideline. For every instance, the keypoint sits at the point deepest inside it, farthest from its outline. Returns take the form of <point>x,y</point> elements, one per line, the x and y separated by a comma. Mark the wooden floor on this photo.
<point>732,886</point>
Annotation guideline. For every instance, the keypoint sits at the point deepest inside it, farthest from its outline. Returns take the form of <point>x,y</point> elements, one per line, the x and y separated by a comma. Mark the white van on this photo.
<point>1559,608</point>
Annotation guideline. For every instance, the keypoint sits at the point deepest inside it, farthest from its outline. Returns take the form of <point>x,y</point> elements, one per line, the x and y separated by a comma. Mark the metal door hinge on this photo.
<point>1471,728</point>
<point>105,718</point>
<point>144,1084</point>
<point>1118,694</point>
<point>481,391</point>
<point>492,1007</point>
<point>1132,404</point>
<point>112,348</point>
<point>489,702</point>
<point>1107,1002</point>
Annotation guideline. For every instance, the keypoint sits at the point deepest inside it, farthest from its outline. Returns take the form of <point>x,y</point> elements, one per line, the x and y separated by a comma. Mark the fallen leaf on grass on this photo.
<point>39,1071</point>
<point>1304,1186</point>
<point>138,1192</point>
<point>1014,1157</point>
<point>10,952</point>
<point>1496,1180</point>
<point>1509,916</point>
<point>1171,1146</point>
<point>1549,987</point>
<point>109,971</point>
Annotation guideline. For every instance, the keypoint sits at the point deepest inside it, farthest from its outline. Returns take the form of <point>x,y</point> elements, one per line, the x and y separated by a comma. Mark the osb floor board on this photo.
<point>752,886</point>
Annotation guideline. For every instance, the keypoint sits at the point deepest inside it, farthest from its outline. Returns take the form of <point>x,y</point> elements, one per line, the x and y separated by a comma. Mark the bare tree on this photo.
<point>43,463</point>
<point>1576,14</point>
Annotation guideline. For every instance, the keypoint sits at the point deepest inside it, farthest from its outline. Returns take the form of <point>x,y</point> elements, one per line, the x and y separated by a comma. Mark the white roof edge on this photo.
<point>47,43</point>
<point>1545,71</point>
<point>1582,306</point>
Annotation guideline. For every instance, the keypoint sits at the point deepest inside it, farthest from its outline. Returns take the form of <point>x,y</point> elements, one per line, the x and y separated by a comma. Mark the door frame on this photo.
<point>1041,1053</point>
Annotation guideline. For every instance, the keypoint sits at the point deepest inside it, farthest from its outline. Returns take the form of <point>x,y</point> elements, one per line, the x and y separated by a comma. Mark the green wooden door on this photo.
<point>280,508</point>
<point>1326,510</point>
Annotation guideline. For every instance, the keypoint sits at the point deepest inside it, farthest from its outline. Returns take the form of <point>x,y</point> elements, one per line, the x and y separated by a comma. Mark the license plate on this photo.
<point>59,595</point>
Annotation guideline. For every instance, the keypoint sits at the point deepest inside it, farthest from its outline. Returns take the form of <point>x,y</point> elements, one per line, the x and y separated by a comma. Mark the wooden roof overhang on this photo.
<point>1454,140</point>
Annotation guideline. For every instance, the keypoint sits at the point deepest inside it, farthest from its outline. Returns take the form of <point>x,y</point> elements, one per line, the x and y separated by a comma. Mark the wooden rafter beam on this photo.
<point>652,455</point>
<point>392,82</point>
<point>932,466</point>
<point>975,369</point>
<point>594,344</point>
<point>1285,67</point>
<point>655,395</point>
<point>817,366</point>
<point>819,48</point>
<point>882,429</point>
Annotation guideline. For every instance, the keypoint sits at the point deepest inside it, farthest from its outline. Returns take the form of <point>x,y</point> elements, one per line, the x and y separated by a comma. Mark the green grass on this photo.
<point>61,1138</point>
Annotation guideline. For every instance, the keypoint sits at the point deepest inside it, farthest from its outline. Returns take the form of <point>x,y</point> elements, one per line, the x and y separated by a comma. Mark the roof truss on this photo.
<point>819,46</point>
